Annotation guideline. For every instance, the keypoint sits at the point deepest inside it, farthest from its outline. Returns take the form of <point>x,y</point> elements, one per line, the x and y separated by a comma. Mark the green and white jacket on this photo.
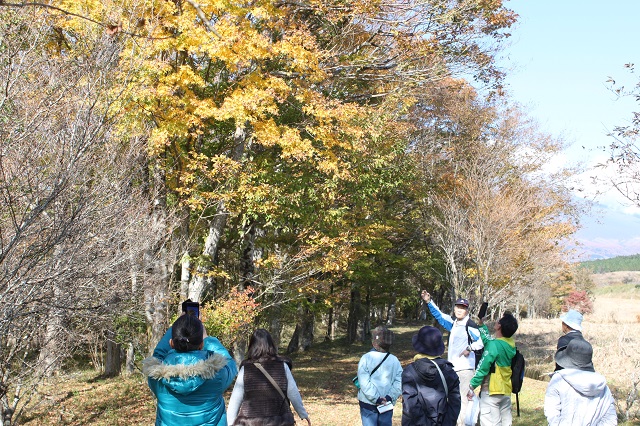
<point>495,364</point>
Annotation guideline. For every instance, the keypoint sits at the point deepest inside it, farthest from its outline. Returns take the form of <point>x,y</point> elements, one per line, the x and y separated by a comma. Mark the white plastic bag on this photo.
<point>473,410</point>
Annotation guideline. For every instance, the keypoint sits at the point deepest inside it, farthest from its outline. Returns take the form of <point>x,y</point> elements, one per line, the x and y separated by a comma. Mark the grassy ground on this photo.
<point>324,373</point>
<point>323,376</point>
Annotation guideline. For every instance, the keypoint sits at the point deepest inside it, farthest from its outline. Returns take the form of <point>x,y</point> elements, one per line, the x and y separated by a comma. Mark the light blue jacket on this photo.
<point>386,381</point>
<point>189,385</point>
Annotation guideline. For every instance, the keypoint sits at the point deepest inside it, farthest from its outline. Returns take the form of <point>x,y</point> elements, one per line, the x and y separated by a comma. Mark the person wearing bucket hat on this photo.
<point>464,339</point>
<point>430,386</point>
<point>571,329</point>
<point>577,395</point>
<point>380,380</point>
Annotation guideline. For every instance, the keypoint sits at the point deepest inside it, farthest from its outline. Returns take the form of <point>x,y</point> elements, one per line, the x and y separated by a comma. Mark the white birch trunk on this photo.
<point>200,279</point>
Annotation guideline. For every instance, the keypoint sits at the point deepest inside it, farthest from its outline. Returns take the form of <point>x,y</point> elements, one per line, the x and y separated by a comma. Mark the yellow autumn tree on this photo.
<point>268,120</point>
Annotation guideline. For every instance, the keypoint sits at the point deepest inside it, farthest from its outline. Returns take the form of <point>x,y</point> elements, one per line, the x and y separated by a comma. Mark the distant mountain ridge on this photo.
<point>614,264</point>
<point>605,248</point>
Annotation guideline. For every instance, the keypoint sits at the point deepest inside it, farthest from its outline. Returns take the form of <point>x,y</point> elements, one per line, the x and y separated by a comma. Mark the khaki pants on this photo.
<point>495,410</point>
<point>465,377</point>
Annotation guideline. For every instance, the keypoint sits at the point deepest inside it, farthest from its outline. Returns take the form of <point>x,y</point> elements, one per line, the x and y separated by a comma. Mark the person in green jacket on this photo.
<point>493,374</point>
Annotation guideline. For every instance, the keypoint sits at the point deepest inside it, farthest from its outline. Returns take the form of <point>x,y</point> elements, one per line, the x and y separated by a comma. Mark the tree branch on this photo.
<point>203,17</point>
<point>111,29</point>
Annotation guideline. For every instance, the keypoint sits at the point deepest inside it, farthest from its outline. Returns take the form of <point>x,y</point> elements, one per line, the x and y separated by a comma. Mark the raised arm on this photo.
<point>163,347</point>
<point>443,319</point>
<point>237,395</point>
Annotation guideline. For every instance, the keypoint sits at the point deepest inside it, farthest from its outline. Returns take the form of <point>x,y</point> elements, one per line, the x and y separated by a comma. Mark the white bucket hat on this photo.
<point>573,319</point>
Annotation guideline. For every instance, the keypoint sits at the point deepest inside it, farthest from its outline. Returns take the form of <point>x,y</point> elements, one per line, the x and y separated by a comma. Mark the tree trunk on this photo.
<point>330,330</point>
<point>6,411</point>
<point>130,365</point>
<point>185,275</point>
<point>247,263</point>
<point>294,342</point>
<point>302,338</point>
<point>308,324</point>
<point>156,285</point>
<point>239,349</point>
<point>113,361</point>
<point>533,311</point>
<point>391,312</point>
<point>47,359</point>
<point>355,309</point>
<point>201,279</point>
<point>200,282</point>
<point>366,323</point>
<point>185,260</point>
<point>275,328</point>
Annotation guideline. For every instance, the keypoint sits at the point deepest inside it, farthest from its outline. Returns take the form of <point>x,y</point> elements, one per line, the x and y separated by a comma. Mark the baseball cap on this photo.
<point>463,302</point>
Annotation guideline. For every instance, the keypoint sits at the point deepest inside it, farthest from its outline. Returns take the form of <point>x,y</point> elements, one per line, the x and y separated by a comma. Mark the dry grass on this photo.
<point>612,329</point>
<point>324,374</point>
<point>616,279</point>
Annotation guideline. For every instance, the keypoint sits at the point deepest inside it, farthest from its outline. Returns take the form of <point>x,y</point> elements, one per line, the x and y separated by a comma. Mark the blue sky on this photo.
<point>560,56</point>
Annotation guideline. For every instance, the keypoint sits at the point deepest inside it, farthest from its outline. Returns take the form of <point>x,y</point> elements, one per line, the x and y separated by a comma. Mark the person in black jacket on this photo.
<point>430,386</point>
<point>571,329</point>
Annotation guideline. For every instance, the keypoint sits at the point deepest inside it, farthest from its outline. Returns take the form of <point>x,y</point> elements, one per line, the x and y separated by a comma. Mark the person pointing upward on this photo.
<point>460,351</point>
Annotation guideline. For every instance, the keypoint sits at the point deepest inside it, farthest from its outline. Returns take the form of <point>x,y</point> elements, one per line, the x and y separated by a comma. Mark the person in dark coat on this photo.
<point>571,329</point>
<point>430,386</point>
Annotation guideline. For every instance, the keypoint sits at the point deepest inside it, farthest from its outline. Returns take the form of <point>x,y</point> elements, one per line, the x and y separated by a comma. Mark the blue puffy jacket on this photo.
<point>189,385</point>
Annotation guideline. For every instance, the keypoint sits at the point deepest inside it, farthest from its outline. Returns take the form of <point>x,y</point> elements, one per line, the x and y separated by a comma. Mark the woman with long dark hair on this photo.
<point>264,387</point>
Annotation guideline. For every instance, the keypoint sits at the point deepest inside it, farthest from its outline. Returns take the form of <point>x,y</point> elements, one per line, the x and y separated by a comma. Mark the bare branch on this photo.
<point>111,29</point>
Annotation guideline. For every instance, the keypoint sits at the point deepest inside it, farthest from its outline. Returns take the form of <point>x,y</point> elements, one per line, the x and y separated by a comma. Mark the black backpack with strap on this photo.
<point>517,375</point>
<point>470,340</point>
<point>433,404</point>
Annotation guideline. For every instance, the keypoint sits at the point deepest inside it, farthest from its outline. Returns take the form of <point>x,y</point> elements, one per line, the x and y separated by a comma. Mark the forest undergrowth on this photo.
<point>324,375</point>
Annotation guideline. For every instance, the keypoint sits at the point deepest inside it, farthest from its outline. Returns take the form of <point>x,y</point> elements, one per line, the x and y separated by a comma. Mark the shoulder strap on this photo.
<point>268,376</point>
<point>444,382</point>
<point>466,327</point>
<point>377,366</point>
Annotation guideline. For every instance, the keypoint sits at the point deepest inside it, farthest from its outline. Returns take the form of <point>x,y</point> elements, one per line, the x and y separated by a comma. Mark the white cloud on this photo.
<point>596,184</point>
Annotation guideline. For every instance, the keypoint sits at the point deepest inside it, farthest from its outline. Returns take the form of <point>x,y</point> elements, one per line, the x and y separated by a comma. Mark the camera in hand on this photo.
<point>191,308</point>
<point>483,310</point>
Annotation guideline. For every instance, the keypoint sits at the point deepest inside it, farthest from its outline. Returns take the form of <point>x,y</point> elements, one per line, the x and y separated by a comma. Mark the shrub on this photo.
<point>578,300</point>
<point>232,318</point>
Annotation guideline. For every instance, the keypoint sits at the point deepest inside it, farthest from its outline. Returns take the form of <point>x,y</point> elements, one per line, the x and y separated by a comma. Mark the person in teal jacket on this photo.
<point>188,373</point>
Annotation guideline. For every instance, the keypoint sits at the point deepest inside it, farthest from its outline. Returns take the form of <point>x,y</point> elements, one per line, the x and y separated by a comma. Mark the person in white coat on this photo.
<point>577,395</point>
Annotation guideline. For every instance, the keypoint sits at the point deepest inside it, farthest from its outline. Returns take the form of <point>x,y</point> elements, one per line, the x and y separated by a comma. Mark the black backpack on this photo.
<point>478,352</point>
<point>434,406</point>
<point>517,376</point>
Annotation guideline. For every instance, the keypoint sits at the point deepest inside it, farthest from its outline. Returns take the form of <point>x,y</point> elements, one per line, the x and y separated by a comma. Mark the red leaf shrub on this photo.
<point>578,300</point>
